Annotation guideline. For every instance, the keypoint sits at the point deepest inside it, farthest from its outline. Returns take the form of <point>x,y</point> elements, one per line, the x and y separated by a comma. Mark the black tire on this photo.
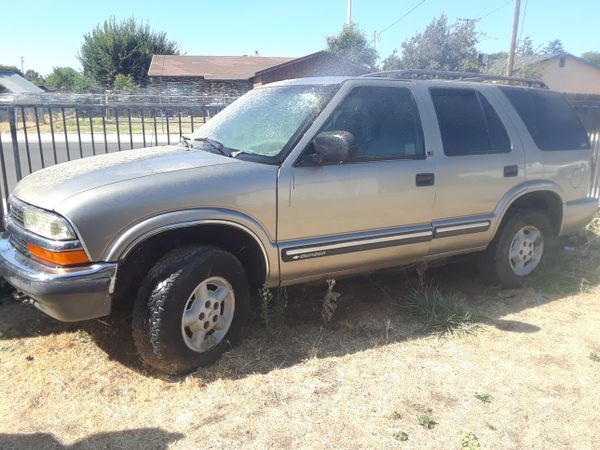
<point>494,263</point>
<point>162,299</point>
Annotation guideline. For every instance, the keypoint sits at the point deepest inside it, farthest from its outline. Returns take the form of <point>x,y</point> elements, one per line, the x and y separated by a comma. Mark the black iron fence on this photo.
<point>34,136</point>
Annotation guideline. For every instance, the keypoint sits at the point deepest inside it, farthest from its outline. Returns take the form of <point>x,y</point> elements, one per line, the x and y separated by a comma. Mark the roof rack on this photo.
<point>415,74</point>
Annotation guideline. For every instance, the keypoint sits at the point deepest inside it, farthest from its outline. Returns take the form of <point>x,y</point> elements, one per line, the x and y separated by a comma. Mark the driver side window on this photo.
<point>384,121</point>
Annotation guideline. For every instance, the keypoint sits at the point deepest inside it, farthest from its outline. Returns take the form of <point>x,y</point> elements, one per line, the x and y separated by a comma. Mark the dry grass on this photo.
<point>371,378</point>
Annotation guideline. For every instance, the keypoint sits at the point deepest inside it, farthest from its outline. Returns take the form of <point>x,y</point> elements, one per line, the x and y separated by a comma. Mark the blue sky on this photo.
<point>49,33</point>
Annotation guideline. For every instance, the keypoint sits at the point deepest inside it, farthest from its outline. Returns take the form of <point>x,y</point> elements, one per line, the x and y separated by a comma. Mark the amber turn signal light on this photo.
<point>67,258</point>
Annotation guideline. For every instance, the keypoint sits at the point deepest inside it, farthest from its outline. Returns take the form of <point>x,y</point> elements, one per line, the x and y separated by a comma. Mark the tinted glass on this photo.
<point>384,120</point>
<point>551,121</point>
<point>468,123</point>
<point>499,141</point>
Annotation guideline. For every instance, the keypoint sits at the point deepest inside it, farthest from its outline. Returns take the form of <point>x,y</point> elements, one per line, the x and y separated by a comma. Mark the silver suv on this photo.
<point>297,181</point>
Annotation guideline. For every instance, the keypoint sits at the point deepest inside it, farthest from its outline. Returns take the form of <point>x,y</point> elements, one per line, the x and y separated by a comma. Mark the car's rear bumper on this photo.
<point>67,294</point>
<point>578,213</point>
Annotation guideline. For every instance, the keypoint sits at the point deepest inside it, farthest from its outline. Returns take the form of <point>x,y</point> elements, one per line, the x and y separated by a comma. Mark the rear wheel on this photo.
<point>519,249</point>
<point>190,309</point>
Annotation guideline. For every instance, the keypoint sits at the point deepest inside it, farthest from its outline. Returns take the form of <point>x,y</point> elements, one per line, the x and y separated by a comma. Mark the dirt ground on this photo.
<point>527,377</point>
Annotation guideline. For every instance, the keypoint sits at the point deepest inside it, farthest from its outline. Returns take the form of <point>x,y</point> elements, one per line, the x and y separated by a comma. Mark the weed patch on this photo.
<point>485,398</point>
<point>329,302</point>
<point>594,356</point>
<point>395,415</point>
<point>469,441</point>
<point>425,421</point>
<point>438,310</point>
<point>273,307</point>
<point>401,436</point>
<point>82,336</point>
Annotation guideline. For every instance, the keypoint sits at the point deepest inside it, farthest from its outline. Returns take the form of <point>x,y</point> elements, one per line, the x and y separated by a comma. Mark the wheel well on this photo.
<point>134,267</point>
<point>545,201</point>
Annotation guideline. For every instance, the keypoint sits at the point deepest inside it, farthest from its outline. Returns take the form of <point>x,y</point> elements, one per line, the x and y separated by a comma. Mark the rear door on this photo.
<point>480,159</point>
<point>369,213</point>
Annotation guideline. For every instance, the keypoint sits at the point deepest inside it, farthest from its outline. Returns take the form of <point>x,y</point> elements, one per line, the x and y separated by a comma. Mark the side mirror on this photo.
<point>333,147</point>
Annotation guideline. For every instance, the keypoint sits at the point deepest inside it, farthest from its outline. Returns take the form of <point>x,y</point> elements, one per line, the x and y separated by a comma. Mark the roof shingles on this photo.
<point>212,67</point>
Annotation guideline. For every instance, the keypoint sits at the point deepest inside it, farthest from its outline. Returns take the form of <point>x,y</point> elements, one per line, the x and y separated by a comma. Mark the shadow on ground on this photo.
<point>367,316</point>
<point>147,438</point>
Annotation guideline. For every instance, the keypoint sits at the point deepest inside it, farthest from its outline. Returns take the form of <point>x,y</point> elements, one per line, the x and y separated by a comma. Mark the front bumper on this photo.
<point>69,294</point>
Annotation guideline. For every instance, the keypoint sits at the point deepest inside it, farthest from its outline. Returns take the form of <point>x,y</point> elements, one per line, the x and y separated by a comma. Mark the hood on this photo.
<point>48,187</point>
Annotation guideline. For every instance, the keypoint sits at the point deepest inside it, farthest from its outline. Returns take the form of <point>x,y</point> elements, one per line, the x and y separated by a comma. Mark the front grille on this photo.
<point>16,213</point>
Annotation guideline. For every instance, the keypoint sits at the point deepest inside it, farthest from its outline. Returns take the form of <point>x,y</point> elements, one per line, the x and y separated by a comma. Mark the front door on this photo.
<point>372,212</point>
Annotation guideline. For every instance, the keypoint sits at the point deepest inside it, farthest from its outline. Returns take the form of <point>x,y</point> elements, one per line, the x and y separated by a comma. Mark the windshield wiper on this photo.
<point>215,145</point>
<point>237,153</point>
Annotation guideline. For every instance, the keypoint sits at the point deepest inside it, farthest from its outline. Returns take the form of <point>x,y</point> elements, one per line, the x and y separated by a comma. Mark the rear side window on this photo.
<point>551,121</point>
<point>468,123</point>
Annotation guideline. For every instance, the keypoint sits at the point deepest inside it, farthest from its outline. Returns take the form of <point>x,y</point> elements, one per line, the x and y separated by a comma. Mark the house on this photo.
<point>232,76</point>
<point>562,72</point>
<point>13,84</point>
<point>314,65</point>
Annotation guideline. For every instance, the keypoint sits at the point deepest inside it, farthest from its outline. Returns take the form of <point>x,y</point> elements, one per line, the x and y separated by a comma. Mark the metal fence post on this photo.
<point>12,123</point>
<point>4,196</point>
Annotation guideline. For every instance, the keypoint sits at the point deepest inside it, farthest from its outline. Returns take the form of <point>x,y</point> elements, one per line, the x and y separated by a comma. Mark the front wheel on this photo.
<point>519,249</point>
<point>190,309</point>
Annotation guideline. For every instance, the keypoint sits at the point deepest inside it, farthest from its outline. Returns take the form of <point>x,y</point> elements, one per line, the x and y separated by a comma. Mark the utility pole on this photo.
<point>349,21</point>
<point>513,39</point>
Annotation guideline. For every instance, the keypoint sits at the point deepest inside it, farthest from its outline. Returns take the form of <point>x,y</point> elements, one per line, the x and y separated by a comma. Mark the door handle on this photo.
<point>425,179</point>
<point>511,171</point>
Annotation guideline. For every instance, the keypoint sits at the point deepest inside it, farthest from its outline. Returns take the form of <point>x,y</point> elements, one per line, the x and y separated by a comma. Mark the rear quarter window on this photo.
<point>550,120</point>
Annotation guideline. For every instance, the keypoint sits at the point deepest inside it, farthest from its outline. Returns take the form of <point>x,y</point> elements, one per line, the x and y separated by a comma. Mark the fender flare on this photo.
<point>149,227</point>
<point>519,191</point>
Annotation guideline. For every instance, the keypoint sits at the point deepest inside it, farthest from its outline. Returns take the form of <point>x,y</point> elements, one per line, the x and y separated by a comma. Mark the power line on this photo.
<point>494,10</point>
<point>486,7</point>
<point>402,17</point>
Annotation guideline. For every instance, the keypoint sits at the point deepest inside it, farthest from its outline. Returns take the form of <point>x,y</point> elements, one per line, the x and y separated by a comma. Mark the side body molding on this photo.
<point>152,226</point>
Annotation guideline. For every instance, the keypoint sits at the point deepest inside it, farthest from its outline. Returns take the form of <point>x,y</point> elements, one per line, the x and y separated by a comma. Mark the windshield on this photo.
<point>264,120</point>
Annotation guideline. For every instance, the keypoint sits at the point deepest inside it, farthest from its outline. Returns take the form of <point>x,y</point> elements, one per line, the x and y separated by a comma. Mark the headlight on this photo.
<point>46,224</point>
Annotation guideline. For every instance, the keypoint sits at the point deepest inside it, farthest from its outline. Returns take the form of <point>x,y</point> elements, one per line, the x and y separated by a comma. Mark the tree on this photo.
<point>593,57</point>
<point>352,44</point>
<point>66,79</point>
<point>392,62</point>
<point>124,83</point>
<point>125,48</point>
<point>497,56</point>
<point>439,47</point>
<point>553,47</point>
<point>15,69</point>
<point>525,48</point>
<point>524,70</point>
<point>34,76</point>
